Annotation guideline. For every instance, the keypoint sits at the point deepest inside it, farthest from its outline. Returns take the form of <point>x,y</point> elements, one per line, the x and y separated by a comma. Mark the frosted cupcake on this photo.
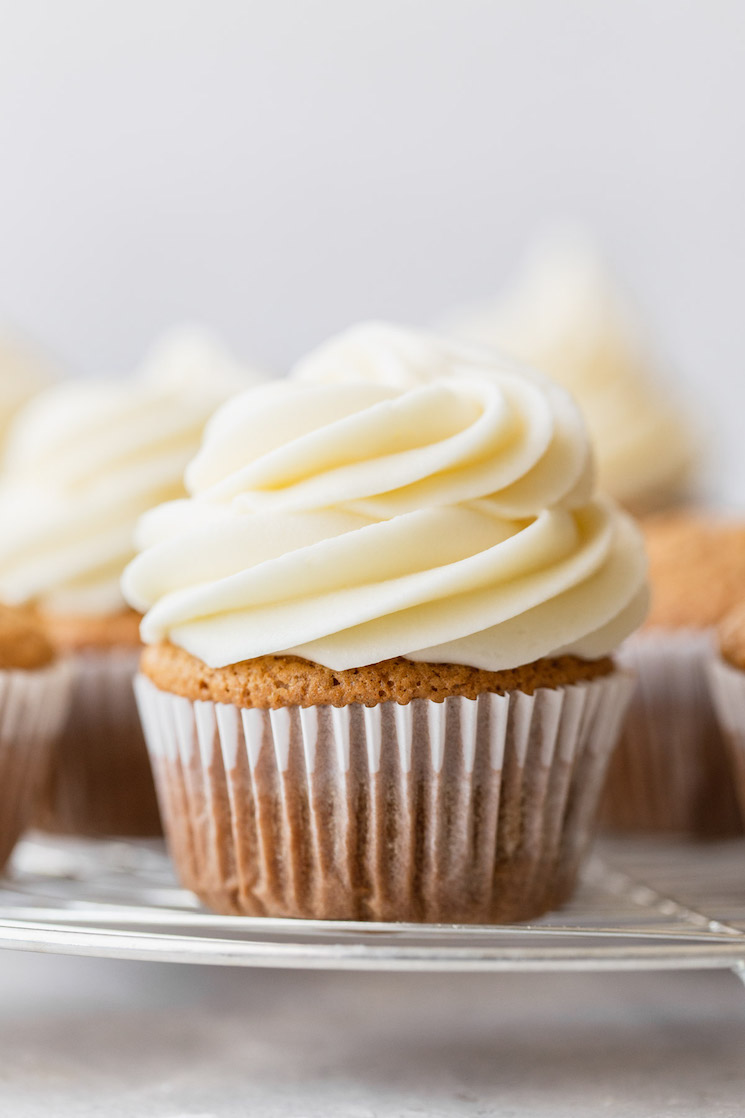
<point>378,681</point>
<point>34,693</point>
<point>23,373</point>
<point>565,315</point>
<point>727,679</point>
<point>84,461</point>
<point>671,771</point>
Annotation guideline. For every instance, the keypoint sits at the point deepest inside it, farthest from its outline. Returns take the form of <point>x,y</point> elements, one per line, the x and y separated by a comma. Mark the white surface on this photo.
<point>83,1038</point>
<point>284,168</point>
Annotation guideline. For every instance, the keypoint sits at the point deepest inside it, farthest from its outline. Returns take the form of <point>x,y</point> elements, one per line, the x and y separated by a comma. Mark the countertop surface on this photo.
<point>83,1037</point>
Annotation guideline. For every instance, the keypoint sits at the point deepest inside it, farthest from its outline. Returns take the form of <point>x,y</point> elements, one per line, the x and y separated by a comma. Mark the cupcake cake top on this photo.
<point>697,568</point>
<point>352,522</point>
<point>565,315</point>
<point>86,458</point>
<point>23,642</point>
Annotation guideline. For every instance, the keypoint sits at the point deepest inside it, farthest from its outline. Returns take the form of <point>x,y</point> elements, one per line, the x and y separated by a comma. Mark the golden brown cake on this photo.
<point>696,568</point>
<point>78,632</point>
<point>23,642</point>
<point>271,682</point>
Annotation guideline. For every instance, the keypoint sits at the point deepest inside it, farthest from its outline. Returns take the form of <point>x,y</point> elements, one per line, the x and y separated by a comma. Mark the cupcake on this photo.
<point>378,682</point>
<point>34,693</point>
<point>671,771</point>
<point>84,460</point>
<point>727,680</point>
<point>23,373</point>
<point>565,315</point>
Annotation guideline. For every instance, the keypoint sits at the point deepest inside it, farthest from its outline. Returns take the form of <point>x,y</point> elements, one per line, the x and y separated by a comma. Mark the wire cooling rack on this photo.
<point>654,904</point>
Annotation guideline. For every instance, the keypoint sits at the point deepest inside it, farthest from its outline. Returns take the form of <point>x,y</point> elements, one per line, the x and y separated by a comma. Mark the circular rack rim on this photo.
<point>120,902</point>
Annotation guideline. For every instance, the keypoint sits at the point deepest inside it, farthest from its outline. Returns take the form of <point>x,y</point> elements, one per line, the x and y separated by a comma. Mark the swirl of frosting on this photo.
<point>565,316</point>
<point>86,458</point>
<point>353,522</point>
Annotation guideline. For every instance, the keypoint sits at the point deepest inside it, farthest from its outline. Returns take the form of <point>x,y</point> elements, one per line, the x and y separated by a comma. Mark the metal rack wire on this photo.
<point>652,904</point>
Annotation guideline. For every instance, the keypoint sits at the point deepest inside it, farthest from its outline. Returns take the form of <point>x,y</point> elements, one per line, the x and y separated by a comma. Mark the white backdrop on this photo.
<point>281,168</point>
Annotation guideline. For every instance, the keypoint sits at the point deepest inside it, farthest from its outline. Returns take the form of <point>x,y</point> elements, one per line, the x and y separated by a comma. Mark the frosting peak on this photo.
<point>352,521</point>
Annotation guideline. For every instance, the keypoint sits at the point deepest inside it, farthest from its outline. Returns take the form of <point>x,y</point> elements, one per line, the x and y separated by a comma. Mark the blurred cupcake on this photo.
<point>84,461</point>
<point>23,373</point>
<point>565,315</point>
<point>727,679</point>
<point>379,682</point>
<point>34,695</point>
<point>390,356</point>
<point>671,771</point>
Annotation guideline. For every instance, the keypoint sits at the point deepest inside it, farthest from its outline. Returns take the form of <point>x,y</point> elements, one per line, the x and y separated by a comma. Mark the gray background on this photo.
<point>283,168</point>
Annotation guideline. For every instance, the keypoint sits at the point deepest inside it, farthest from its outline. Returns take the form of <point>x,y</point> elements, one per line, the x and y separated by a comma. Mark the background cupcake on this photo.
<point>23,373</point>
<point>565,315</point>
<point>85,459</point>
<point>727,679</point>
<point>379,683</point>
<point>34,693</point>
<point>672,771</point>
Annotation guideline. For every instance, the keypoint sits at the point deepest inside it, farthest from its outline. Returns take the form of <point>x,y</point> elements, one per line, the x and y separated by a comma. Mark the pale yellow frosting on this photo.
<point>22,374</point>
<point>565,315</point>
<point>350,522</point>
<point>86,458</point>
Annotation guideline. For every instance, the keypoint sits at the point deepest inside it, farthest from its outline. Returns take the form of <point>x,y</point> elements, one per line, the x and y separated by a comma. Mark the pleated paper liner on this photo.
<point>100,781</point>
<point>473,811</point>
<point>728,694</point>
<point>33,706</point>
<point>671,771</point>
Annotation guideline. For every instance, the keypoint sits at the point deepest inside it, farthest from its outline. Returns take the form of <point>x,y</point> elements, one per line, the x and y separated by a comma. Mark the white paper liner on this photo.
<point>460,811</point>
<point>728,693</point>
<point>100,781</point>
<point>671,770</point>
<point>33,706</point>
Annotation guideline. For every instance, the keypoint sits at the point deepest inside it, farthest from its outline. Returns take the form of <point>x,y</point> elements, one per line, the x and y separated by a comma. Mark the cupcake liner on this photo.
<point>33,705</point>
<point>728,693</point>
<point>99,781</point>
<point>671,771</point>
<point>467,811</point>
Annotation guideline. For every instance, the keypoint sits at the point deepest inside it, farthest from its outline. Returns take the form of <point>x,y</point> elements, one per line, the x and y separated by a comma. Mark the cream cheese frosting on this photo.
<point>353,521</point>
<point>390,355</point>
<point>565,315</point>
<point>86,458</point>
<point>22,374</point>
